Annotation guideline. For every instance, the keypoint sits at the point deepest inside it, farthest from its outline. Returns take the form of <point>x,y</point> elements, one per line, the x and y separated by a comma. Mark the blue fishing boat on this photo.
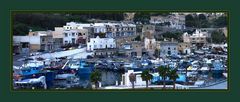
<point>82,68</point>
<point>85,69</point>
<point>31,68</point>
<point>157,78</point>
<point>31,83</point>
<point>217,69</point>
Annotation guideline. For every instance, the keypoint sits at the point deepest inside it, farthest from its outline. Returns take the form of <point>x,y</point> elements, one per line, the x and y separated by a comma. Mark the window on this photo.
<point>168,48</point>
<point>100,46</point>
<point>73,34</point>
<point>174,48</point>
<point>66,34</point>
<point>43,39</point>
<point>79,34</point>
<point>73,40</point>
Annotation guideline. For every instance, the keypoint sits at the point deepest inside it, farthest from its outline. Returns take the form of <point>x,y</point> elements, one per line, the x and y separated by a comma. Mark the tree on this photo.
<point>95,77</point>
<point>138,38</point>
<point>146,76</point>
<point>156,53</point>
<point>47,21</point>
<point>132,79</point>
<point>164,73</point>
<point>218,37</point>
<point>173,76</point>
<point>142,17</point>
<point>190,21</point>
<point>220,22</point>
<point>177,36</point>
<point>101,35</point>
<point>20,29</point>
<point>203,21</point>
<point>186,71</point>
<point>202,17</point>
<point>199,21</point>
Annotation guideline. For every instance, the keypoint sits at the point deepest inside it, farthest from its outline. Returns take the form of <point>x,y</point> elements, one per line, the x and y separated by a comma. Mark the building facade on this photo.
<point>184,48</point>
<point>198,38</point>
<point>100,43</point>
<point>76,36</point>
<point>35,41</point>
<point>168,48</point>
<point>176,20</point>
<point>111,30</point>
<point>149,44</point>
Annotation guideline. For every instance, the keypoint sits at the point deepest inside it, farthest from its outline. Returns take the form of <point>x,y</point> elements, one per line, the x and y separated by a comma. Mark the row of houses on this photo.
<point>73,33</point>
<point>176,20</point>
<point>109,38</point>
<point>128,47</point>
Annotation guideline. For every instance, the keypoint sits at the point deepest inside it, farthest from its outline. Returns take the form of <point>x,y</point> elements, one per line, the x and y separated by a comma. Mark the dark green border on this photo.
<point>232,6</point>
<point>122,90</point>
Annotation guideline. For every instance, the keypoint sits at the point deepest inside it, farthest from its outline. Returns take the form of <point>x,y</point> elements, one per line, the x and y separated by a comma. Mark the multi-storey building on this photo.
<point>111,30</point>
<point>176,21</point>
<point>75,36</point>
<point>198,38</point>
<point>38,40</point>
<point>100,43</point>
<point>168,48</point>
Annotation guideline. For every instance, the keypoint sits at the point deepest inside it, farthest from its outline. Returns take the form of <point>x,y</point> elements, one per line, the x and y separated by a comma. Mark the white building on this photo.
<point>139,82</point>
<point>168,48</point>
<point>150,44</point>
<point>99,28</point>
<point>110,29</point>
<point>100,43</point>
<point>75,36</point>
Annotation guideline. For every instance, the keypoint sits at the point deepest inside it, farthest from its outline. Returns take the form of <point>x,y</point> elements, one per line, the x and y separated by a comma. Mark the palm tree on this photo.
<point>95,77</point>
<point>164,73</point>
<point>146,76</point>
<point>186,71</point>
<point>173,76</point>
<point>132,79</point>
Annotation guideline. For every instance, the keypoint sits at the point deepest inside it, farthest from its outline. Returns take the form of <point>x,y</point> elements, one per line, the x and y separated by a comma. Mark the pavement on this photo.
<point>178,86</point>
<point>217,86</point>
